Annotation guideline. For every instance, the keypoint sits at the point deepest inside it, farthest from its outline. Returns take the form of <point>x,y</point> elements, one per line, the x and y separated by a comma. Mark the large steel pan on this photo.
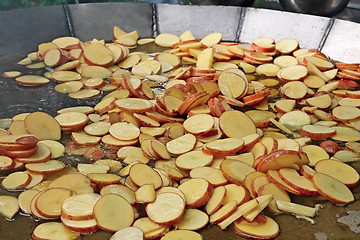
<point>23,30</point>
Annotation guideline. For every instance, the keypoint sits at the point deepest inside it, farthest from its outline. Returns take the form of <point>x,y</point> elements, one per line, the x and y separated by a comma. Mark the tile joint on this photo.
<point>328,29</point>
<point>155,23</point>
<point>240,23</point>
<point>68,18</point>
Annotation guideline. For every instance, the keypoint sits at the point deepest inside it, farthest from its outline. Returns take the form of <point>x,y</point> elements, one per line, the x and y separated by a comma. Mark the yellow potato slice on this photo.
<point>112,213</point>
<point>54,230</point>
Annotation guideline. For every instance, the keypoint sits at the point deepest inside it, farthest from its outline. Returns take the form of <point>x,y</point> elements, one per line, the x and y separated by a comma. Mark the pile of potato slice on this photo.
<point>204,132</point>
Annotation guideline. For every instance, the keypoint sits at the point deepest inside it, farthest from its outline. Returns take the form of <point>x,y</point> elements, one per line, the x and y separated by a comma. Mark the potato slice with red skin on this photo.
<point>262,227</point>
<point>25,198</point>
<point>317,132</point>
<point>294,90</point>
<point>97,54</point>
<point>81,226</point>
<point>216,200</point>
<point>274,177</point>
<point>293,73</point>
<point>33,210</point>
<point>307,171</point>
<point>112,213</point>
<point>211,174</point>
<point>53,230</point>
<point>236,193</point>
<point>131,154</point>
<point>320,63</point>
<point>128,233</point>
<point>260,117</point>
<point>42,154</point>
<point>193,219</point>
<point>167,209</point>
<point>16,180</point>
<point>43,126</point>
<point>9,206</point>
<point>287,45</point>
<point>297,181</point>
<point>271,144</point>
<point>145,194</point>
<point>141,174</point>
<point>315,154</point>
<point>285,105</point>
<point>79,207</point>
<point>104,179</point>
<point>53,57</point>
<point>31,80</point>
<point>48,203</point>
<point>166,39</point>
<point>72,119</point>
<point>332,189</point>
<point>11,74</point>
<point>17,127</point>
<point>160,150</point>
<point>222,213</point>
<point>121,190</point>
<point>124,131</point>
<point>279,194</point>
<point>199,124</point>
<point>19,153</point>
<point>263,44</point>
<point>279,159</point>
<point>193,159</point>
<point>346,134</point>
<point>236,124</point>
<point>249,180</point>
<point>249,141</point>
<point>232,85</point>
<point>50,166</point>
<point>223,147</point>
<point>134,104</point>
<point>235,171</point>
<point>294,120</point>
<point>77,182</point>
<point>345,113</point>
<point>321,101</point>
<point>150,229</point>
<point>181,144</point>
<point>57,149</point>
<point>85,139</point>
<point>182,234</point>
<point>197,192</point>
<point>339,170</point>
<point>257,183</point>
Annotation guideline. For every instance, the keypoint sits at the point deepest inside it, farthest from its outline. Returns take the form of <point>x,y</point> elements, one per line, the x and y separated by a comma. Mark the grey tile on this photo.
<point>97,20</point>
<point>307,29</point>
<point>23,30</point>
<point>200,20</point>
<point>343,41</point>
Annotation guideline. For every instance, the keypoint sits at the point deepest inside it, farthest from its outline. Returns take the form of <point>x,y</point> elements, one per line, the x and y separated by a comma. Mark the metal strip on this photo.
<point>326,34</point>
<point>69,20</point>
<point>155,23</point>
<point>240,24</point>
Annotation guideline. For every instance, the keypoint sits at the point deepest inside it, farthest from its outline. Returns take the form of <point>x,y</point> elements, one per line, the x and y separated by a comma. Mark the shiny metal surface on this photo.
<point>327,8</point>
<point>242,3</point>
